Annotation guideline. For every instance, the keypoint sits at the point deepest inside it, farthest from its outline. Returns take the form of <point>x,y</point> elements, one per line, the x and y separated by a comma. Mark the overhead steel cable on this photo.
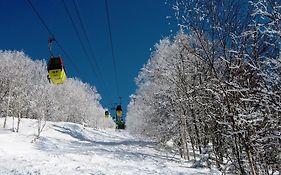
<point>52,35</point>
<point>95,71</point>
<point>111,45</point>
<point>80,39</point>
<point>40,18</point>
<point>84,31</point>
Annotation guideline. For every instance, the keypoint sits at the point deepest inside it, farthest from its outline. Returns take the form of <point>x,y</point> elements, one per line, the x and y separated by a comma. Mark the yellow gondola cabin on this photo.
<point>56,72</point>
<point>119,111</point>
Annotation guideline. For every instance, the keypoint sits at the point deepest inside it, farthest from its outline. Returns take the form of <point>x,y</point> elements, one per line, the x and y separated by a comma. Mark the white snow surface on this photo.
<point>71,149</point>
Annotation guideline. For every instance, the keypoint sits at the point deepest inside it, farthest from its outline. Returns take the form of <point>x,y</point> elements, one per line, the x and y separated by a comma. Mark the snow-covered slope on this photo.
<point>68,148</point>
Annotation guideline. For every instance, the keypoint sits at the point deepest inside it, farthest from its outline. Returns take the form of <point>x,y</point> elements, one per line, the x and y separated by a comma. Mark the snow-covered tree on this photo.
<point>26,92</point>
<point>166,91</point>
<point>219,84</point>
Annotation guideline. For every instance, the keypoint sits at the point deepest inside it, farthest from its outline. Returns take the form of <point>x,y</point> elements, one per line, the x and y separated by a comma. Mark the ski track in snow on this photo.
<point>70,149</point>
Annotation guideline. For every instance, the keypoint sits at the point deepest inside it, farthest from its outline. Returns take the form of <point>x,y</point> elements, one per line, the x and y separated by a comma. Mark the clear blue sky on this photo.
<point>136,25</point>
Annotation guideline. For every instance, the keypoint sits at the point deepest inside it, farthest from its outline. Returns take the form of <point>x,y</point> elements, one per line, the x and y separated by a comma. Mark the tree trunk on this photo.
<point>8,106</point>
<point>249,155</point>
<point>236,149</point>
<point>18,125</point>
<point>40,125</point>
<point>196,131</point>
<point>13,127</point>
<point>237,155</point>
<point>183,128</point>
<point>193,149</point>
<point>250,158</point>
<point>217,152</point>
<point>180,148</point>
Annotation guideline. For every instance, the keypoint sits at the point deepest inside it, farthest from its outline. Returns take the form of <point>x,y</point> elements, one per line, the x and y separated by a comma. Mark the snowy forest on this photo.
<point>214,89</point>
<point>25,92</point>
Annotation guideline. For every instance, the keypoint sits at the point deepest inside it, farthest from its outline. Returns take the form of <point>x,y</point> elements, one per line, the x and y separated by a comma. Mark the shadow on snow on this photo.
<point>124,149</point>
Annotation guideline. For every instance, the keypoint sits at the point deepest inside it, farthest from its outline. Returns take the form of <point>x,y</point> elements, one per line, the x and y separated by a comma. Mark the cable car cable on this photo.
<point>111,45</point>
<point>119,112</point>
<point>95,71</point>
<point>40,18</point>
<point>80,39</point>
<point>52,35</point>
<point>84,31</point>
